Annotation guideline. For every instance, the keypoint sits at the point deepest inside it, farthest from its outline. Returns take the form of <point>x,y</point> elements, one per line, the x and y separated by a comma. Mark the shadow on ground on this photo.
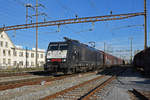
<point>129,71</point>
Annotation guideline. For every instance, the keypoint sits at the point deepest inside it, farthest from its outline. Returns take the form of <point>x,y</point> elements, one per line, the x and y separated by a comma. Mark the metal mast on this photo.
<point>26,14</point>
<point>145,25</point>
<point>72,21</point>
<point>36,59</point>
<point>131,49</point>
<point>27,7</point>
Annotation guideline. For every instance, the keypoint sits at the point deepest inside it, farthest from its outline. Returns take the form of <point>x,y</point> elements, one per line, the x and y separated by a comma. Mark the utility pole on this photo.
<point>104,54</point>
<point>36,25</point>
<point>26,13</point>
<point>104,46</point>
<point>131,49</point>
<point>36,59</point>
<point>26,57</point>
<point>145,25</point>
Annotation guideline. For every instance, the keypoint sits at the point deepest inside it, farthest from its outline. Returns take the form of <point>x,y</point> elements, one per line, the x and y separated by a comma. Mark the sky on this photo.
<point>115,34</point>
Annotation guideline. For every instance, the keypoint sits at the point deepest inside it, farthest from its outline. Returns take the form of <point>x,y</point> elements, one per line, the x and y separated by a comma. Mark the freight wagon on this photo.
<point>142,60</point>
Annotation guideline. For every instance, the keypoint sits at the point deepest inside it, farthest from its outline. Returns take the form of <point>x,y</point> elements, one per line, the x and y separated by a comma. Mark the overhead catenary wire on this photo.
<point>77,32</point>
<point>8,8</point>
<point>20,2</point>
<point>127,26</point>
<point>28,38</point>
<point>8,12</point>
<point>41,0</point>
<point>68,9</point>
<point>93,5</point>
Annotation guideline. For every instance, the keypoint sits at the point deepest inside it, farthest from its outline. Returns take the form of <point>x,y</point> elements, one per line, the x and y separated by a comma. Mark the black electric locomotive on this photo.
<point>72,56</point>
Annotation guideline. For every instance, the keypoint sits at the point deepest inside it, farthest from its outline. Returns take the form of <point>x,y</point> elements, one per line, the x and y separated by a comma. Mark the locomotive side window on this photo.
<point>63,47</point>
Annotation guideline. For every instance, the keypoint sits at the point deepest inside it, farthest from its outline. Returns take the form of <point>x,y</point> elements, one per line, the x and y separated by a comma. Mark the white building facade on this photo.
<point>12,56</point>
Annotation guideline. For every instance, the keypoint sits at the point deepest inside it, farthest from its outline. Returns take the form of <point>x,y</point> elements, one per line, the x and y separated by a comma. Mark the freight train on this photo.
<point>71,56</point>
<point>142,60</point>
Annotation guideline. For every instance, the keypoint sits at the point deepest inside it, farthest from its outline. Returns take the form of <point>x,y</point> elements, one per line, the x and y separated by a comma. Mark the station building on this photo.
<point>12,56</point>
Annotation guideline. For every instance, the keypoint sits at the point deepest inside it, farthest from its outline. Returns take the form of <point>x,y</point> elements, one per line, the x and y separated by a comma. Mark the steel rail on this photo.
<point>33,81</point>
<point>90,95</point>
<point>98,88</point>
<point>138,94</point>
<point>13,74</point>
<point>70,89</point>
<point>19,83</point>
<point>84,90</point>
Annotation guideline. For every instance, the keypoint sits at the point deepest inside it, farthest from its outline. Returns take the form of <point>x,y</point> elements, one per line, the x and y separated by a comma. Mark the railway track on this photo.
<point>10,74</point>
<point>19,83</point>
<point>140,95</point>
<point>33,81</point>
<point>13,74</point>
<point>83,91</point>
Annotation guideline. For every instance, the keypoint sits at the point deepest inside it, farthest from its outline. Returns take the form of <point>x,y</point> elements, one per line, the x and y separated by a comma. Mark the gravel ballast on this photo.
<point>36,92</point>
<point>118,89</point>
<point>15,78</point>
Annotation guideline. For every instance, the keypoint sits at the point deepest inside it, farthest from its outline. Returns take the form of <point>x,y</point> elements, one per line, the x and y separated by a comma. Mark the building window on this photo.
<point>1,36</point>
<point>20,54</point>
<point>37,55</point>
<point>6,45</point>
<point>21,63</point>
<point>4,52</point>
<point>15,53</point>
<point>15,63</point>
<point>41,55</point>
<point>32,55</point>
<point>4,61</point>
<point>42,63</point>
<point>27,55</point>
<point>9,52</point>
<point>9,61</point>
<point>32,63</point>
<point>27,63</point>
<point>1,43</point>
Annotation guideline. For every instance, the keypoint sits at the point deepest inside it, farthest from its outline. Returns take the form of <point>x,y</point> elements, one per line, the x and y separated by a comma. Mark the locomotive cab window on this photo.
<point>58,47</point>
<point>53,47</point>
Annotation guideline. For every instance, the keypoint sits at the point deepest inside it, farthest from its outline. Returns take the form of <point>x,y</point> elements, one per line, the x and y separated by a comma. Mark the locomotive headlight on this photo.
<point>64,60</point>
<point>48,60</point>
